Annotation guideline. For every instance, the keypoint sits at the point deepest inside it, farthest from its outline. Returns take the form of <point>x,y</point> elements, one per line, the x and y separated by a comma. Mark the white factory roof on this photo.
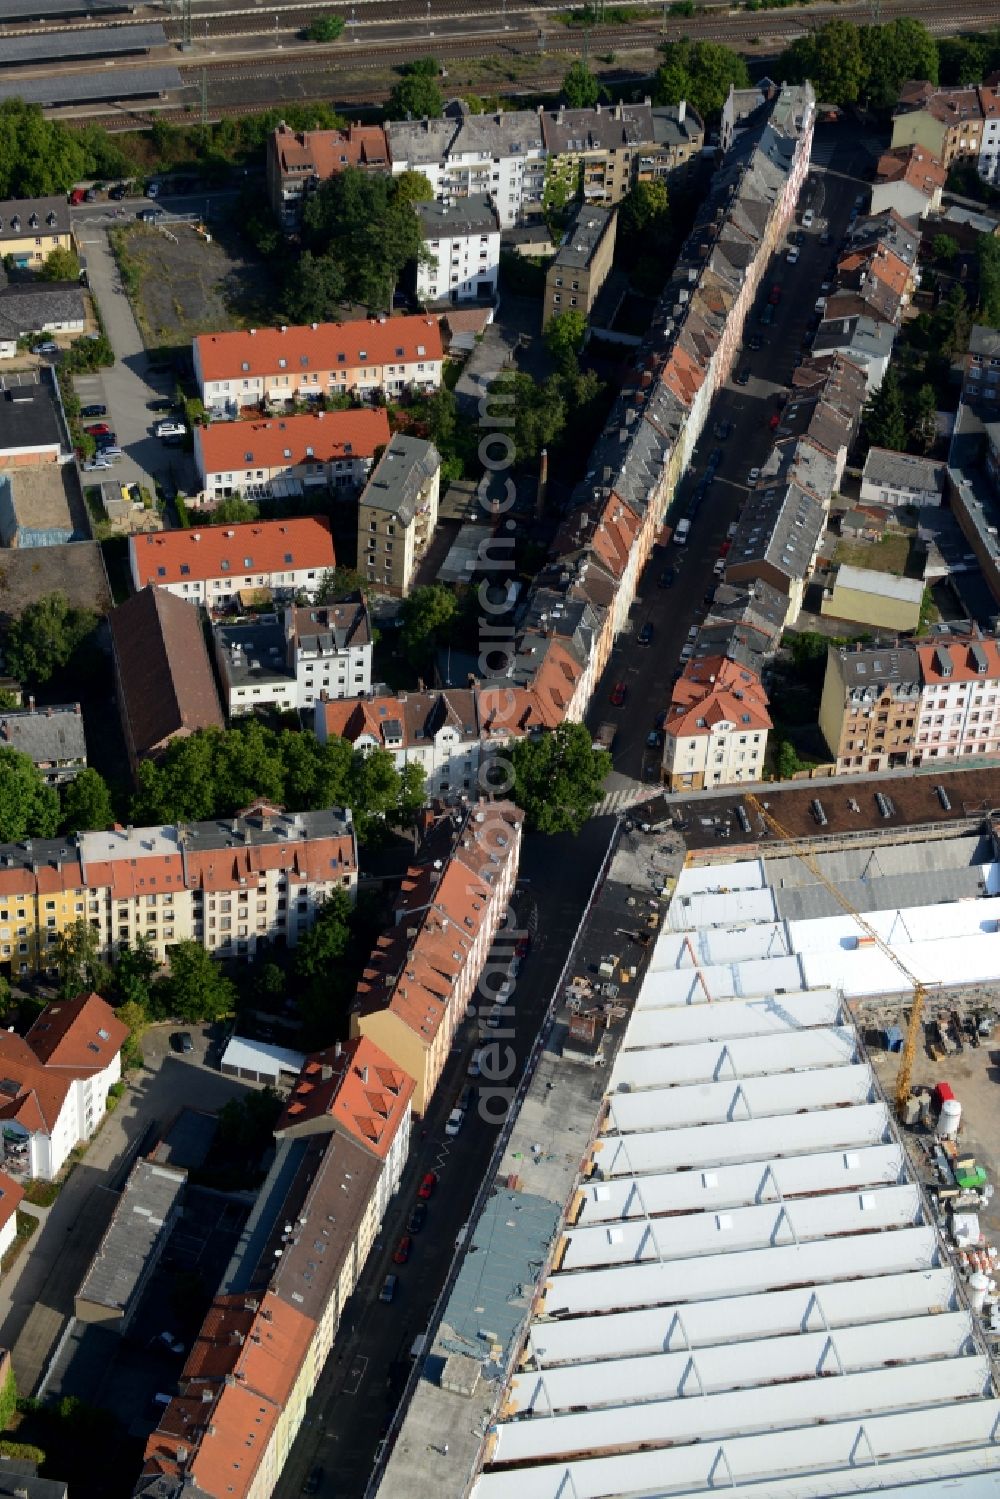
<point>747,1294</point>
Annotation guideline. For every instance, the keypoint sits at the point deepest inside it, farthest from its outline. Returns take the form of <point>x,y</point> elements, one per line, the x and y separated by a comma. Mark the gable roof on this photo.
<point>324,153</point>
<point>357,1088</point>
<point>82,1034</point>
<point>166,681</point>
<point>287,441</point>
<point>715,691</point>
<point>319,346</point>
<point>255,547</point>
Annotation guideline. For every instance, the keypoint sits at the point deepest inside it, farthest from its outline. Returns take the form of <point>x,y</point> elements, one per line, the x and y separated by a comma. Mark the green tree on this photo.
<point>413,187</point>
<point>416,97</point>
<point>45,637</point>
<point>580,89</point>
<point>28,807</point>
<point>831,58</point>
<point>38,157</point>
<point>944,248</point>
<point>325,29</point>
<point>234,510</point>
<point>921,418</point>
<point>961,60</point>
<point>885,416</point>
<point>988,256</point>
<point>539,412</point>
<point>564,339</point>
<point>247,1124</point>
<point>700,73</point>
<point>314,289</point>
<point>134,1016</point>
<point>645,207</point>
<point>86,804</point>
<point>786,760</point>
<point>558,778</point>
<point>375,792</point>
<point>135,969</point>
<point>425,616</point>
<point>316,775</point>
<point>61,265</point>
<point>362,224</point>
<point>892,53</point>
<point>319,964</point>
<point>950,326</point>
<point>196,989</point>
<point>77,961</point>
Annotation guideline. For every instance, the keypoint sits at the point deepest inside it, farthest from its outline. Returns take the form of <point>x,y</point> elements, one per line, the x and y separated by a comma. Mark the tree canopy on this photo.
<point>28,807</point>
<point>558,778</point>
<point>885,416</point>
<point>416,96</point>
<point>195,989</point>
<point>360,230</point>
<point>44,638</point>
<point>700,73</point>
<point>988,256</point>
<point>61,265</point>
<point>425,617</point>
<point>76,959</point>
<point>38,157</point>
<point>86,804</point>
<point>564,338</point>
<point>216,772</point>
<point>580,89</point>
<point>845,62</point>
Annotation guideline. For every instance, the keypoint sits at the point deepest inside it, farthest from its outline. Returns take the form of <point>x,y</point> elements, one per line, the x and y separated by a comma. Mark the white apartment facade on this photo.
<point>959,711</point>
<point>214,566</point>
<point>290,662</point>
<point>463,248</point>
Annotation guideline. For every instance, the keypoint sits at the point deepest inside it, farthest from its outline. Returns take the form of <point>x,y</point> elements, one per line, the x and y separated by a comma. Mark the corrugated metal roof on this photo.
<point>81,42</point>
<point>78,88</point>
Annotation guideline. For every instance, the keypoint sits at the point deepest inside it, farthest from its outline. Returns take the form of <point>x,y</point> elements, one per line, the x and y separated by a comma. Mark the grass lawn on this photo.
<point>890,555</point>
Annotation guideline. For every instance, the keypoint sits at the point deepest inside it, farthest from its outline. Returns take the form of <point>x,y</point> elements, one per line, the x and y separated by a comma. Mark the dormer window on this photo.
<point>288,452</point>
<point>362,354</point>
<point>304,361</point>
<point>248,457</point>
<point>282,364</point>
<point>341,358</point>
<point>246,366</point>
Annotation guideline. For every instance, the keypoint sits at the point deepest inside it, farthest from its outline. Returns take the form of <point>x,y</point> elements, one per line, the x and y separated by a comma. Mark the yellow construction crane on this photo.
<point>919,989</point>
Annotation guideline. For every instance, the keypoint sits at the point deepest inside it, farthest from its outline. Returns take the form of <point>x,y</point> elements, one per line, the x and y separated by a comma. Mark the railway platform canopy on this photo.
<point>106,87</point>
<point>80,42</point>
<point>23,12</point>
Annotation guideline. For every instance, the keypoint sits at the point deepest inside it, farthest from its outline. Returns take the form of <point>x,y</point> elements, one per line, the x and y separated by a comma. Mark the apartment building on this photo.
<point>897,479</point>
<point>424,973</point>
<point>437,730</point>
<point>716,727</point>
<point>581,264</point>
<point>946,122</point>
<point>982,365</point>
<point>989,145</point>
<point>463,156</point>
<point>777,540</point>
<point>279,457</point>
<point>602,151</point>
<point>865,341</point>
<point>462,241</point>
<point>298,161</point>
<point>275,367</point>
<point>959,710</point>
<point>56,1082</point>
<point>397,513</point>
<point>870,706</point>
<point>241,1396</point>
<point>222,565</point>
<point>743,110</point>
<point>52,738</point>
<point>288,662</point>
<point>908,180</point>
<point>31,228</point>
<point>356,1090</point>
<point>164,685</point>
<point>227,884</point>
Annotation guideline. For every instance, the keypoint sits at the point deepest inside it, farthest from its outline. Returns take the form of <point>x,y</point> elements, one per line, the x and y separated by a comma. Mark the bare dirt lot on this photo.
<point>181,284</point>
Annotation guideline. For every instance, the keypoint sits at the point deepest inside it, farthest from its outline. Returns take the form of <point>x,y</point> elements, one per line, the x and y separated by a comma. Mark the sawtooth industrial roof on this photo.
<point>748,1293</point>
<point>110,84</point>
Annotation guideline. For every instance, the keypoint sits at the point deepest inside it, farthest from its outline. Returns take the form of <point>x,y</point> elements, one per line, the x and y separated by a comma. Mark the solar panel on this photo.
<point>79,88</point>
<point>98,42</point>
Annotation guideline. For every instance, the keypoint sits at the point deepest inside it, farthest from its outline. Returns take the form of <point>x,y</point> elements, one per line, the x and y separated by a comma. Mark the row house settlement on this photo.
<point>279,457</point>
<point>276,367</point>
<point>227,884</point>
<point>222,566</point>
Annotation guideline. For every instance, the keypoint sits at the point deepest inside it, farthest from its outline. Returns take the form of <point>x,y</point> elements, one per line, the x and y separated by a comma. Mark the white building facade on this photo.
<point>463,248</point>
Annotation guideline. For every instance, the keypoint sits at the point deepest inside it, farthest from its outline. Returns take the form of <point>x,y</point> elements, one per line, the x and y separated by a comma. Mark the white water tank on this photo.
<point>951,1118</point>
<point>979,1284</point>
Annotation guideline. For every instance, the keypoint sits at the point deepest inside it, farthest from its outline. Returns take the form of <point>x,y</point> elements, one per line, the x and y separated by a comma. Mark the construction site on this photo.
<point>744,1231</point>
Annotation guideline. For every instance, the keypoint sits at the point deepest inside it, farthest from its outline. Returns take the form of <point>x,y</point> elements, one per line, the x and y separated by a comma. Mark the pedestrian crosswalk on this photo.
<point>617,802</point>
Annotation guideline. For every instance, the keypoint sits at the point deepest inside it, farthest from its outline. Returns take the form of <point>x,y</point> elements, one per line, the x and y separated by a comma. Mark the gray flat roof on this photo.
<point>474,215</point>
<point>46,733</point>
<point>29,416</point>
<point>33,10</point>
<point>82,88</point>
<point>583,237</point>
<point>254,652</point>
<point>401,472</point>
<point>81,42</point>
<point>142,1216</point>
<point>904,470</point>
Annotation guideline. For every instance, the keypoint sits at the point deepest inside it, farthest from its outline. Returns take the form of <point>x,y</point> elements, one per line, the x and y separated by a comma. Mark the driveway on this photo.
<point>36,1297</point>
<point>128,387</point>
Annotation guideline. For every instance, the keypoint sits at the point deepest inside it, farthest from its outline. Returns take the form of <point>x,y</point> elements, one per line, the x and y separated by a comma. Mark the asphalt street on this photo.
<point>842,166</point>
<point>361,1383</point>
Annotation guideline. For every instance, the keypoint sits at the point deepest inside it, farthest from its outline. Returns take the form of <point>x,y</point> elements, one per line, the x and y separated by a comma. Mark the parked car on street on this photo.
<point>417,1218</point>
<point>427,1185</point>
<point>388,1290</point>
<point>619,692</point>
<point>96,409</point>
<point>454,1123</point>
<point>402,1251</point>
<point>645,636</point>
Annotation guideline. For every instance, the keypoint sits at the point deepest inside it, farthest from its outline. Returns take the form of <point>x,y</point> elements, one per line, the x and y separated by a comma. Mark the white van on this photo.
<point>682,532</point>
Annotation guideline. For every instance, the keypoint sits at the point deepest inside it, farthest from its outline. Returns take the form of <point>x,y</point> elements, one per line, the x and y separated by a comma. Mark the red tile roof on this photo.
<point>357,1088</point>
<point>286,441</point>
<point>11,1194</point>
<point>714,691</point>
<point>325,153</point>
<point>914,166</point>
<point>82,1034</point>
<point>963,665</point>
<point>273,546</point>
<point>318,346</point>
